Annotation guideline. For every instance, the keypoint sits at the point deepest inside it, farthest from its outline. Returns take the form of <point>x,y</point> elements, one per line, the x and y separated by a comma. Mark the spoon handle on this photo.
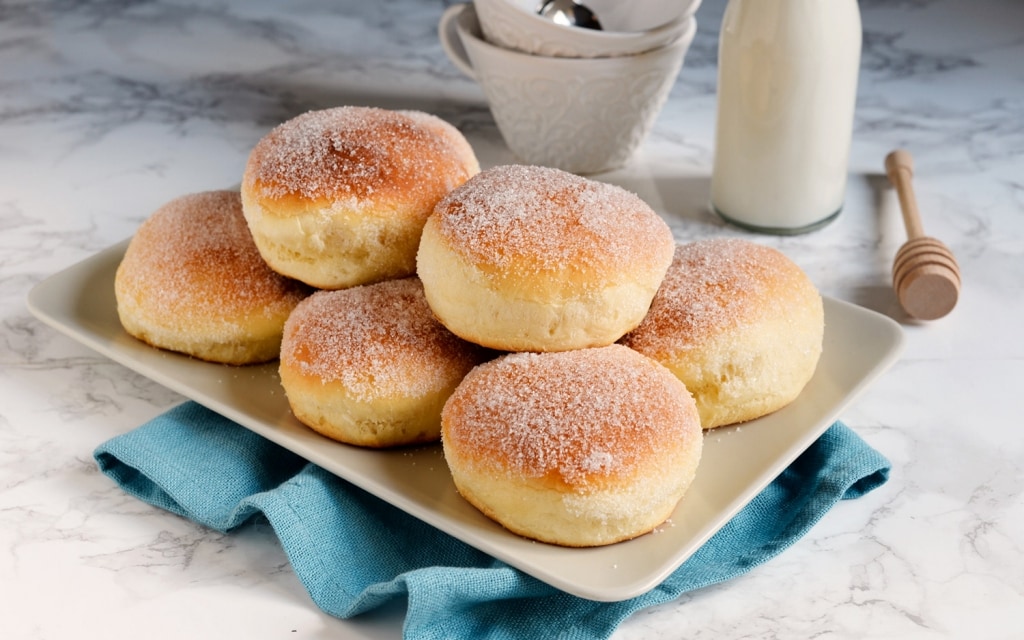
<point>899,165</point>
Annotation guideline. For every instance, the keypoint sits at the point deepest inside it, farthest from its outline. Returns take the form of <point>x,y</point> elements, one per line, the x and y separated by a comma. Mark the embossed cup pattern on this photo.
<point>583,115</point>
<point>541,122</point>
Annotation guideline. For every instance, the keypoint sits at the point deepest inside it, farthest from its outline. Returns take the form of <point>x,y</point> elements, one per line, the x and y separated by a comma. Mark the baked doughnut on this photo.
<point>575,448</point>
<point>370,365</point>
<point>338,197</point>
<point>192,281</point>
<point>526,258</point>
<point>739,323</point>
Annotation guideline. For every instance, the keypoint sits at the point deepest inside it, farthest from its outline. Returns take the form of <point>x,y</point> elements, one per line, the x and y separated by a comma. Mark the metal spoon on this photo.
<point>569,13</point>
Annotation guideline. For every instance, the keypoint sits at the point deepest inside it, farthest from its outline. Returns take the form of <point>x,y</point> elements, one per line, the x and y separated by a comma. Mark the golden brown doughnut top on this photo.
<point>194,260</point>
<point>580,418</point>
<point>361,153</point>
<point>378,339</point>
<point>714,285</point>
<point>544,220</point>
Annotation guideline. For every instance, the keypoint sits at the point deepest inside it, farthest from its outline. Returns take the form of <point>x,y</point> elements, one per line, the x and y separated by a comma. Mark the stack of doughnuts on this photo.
<point>569,438</point>
<point>332,200</point>
<point>545,327</point>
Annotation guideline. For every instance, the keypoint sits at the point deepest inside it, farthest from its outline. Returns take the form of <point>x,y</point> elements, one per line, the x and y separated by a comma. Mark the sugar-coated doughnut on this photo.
<point>576,448</point>
<point>192,281</point>
<point>338,197</point>
<point>739,323</point>
<point>370,366</point>
<point>526,258</point>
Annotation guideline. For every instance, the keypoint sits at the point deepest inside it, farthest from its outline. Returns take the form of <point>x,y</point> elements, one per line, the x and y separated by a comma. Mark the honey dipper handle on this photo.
<point>899,165</point>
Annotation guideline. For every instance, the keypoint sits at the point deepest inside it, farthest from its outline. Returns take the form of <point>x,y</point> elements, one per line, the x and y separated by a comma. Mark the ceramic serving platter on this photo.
<point>737,461</point>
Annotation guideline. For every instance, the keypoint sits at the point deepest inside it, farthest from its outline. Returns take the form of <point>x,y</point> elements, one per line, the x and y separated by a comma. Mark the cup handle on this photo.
<point>450,41</point>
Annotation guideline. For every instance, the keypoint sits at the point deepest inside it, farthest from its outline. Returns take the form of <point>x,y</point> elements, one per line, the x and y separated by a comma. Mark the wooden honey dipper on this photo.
<point>925,274</point>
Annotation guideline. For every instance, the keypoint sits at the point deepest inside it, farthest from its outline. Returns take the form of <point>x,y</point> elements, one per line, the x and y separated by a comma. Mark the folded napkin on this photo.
<point>354,552</point>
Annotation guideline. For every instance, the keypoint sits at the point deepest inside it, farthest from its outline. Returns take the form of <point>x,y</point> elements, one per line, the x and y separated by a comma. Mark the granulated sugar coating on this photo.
<point>377,340</point>
<point>359,152</point>
<point>584,416</point>
<point>546,219</point>
<point>740,324</point>
<point>193,262</point>
<point>711,286</point>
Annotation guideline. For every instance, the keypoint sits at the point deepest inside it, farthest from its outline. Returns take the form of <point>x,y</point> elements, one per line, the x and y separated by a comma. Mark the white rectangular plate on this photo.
<point>737,461</point>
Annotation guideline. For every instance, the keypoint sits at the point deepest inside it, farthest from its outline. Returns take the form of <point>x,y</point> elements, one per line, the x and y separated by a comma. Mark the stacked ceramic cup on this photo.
<point>577,99</point>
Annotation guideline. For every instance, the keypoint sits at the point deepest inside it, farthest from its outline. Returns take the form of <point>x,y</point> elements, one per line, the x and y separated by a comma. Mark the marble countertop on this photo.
<point>110,109</point>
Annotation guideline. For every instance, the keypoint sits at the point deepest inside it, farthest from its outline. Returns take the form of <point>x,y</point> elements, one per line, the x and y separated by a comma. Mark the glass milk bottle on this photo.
<point>787,85</point>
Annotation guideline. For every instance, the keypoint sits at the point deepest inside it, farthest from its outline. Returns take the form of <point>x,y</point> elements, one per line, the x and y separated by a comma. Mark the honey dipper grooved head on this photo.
<point>926,278</point>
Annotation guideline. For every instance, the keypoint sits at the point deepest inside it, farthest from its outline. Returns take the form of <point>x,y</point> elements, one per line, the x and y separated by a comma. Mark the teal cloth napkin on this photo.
<point>354,552</point>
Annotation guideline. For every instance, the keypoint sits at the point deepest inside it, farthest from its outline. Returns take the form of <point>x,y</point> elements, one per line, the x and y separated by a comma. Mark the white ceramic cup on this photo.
<point>581,115</point>
<point>636,15</point>
<point>515,24</point>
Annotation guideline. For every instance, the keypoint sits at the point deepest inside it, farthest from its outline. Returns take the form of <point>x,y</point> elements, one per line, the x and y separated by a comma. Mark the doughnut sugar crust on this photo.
<point>338,197</point>
<point>527,258</point>
<point>370,366</point>
<point>192,281</point>
<point>739,323</point>
<point>575,448</point>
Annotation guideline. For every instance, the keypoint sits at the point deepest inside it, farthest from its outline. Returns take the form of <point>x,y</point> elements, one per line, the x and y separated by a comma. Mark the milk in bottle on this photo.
<point>787,85</point>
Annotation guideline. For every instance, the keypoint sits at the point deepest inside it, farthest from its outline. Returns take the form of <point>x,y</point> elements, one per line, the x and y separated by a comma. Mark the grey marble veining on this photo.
<point>110,108</point>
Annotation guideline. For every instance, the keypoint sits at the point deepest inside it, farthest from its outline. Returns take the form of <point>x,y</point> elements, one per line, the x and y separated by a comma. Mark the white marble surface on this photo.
<point>109,109</point>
